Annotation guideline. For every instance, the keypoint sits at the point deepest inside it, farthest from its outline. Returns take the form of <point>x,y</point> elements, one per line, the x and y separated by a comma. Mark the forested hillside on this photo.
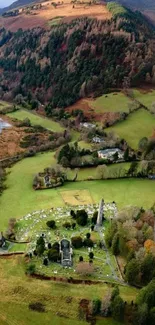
<point>79,59</point>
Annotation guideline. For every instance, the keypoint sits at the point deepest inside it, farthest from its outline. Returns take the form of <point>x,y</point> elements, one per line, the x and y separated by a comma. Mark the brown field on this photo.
<point>76,197</point>
<point>42,17</point>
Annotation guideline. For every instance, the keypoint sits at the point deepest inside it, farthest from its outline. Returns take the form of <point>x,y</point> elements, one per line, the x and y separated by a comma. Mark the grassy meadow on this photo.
<point>145,97</point>
<point>18,290</point>
<point>19,198</point>
<point>113,102</point>
<point>139,124</point>
<point>37,120</point>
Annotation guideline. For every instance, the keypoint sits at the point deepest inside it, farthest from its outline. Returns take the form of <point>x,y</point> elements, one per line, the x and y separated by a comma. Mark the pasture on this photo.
<point>35,119</point>
<point>18,290</point>
<point>146,97</point>
<point>138,124</point>
<point>113,102</point>
<point>19,198</point>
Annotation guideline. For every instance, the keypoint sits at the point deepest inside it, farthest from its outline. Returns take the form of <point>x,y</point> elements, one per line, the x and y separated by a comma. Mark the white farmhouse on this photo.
<point>109,153</point>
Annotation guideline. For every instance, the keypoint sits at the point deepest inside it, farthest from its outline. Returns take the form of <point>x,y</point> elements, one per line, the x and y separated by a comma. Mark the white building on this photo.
<point>109,153</point>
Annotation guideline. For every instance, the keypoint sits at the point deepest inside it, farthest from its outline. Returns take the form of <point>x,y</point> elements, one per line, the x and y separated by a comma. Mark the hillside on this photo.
<point>70,61</point>
<point>138,4</point>
<point>16,4</point>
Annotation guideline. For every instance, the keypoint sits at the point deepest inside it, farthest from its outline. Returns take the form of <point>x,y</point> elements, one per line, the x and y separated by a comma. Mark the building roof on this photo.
<point>110,151</point>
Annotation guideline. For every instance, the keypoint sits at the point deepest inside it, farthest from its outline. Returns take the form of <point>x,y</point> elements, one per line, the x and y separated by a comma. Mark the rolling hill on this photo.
<point>16,4</point>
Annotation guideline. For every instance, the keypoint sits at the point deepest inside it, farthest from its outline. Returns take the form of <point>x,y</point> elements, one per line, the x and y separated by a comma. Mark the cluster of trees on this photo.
<point>140,312</point>
<point>78,241</point>
<point>51,177</point>
<point>132,235</point>
<point>70,155</point>
<point>71,62</point>
<point>81,217</point>
<point>147,148</point>
<point>52,252</point>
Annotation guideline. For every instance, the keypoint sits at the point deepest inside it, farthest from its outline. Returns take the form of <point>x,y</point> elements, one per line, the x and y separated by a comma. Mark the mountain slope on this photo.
<point>138,4</point>
<point>79,59</point>
<point>16,4</point>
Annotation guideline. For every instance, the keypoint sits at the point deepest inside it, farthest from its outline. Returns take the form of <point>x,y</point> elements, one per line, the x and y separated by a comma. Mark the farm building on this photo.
<point>109,153</point>
<point>97,140</point>
<point>87,125</point>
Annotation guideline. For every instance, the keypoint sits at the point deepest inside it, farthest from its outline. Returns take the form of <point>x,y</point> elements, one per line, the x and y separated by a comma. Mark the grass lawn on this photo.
<point>37,120</point>
<point>113,102</point>
<point>3,105</point>
<point>19,198</point>
<point>17,291</point>
<point>145,97</point>
<point>138,125</point>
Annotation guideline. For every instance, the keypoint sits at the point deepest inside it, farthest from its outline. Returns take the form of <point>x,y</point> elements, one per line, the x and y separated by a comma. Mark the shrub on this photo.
<point>51,224</point>
<point>88,243</point>
<point>67,225</point>
<point>88,235</point>
<point>37,306</point>
<point>73,225</point>
<point>45,261</point>
<point>30,269</point>
<point>56,246</point>
<point>53,255</point>
<point>91,255</point>
<point>96,306</point>
<point>77,242</point>
<point>82,217</point>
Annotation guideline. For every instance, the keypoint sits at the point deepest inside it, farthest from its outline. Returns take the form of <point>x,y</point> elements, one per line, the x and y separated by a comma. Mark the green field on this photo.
<point>113,102</point>
<point>19,198</point>
<point>17,291</point>
<point>138,125</point>
<point>37,120</point>
<point>144,97</point>
<point>3,105</point>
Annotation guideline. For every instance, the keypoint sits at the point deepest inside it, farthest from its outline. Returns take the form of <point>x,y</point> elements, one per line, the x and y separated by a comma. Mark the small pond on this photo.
<point>4,125</point>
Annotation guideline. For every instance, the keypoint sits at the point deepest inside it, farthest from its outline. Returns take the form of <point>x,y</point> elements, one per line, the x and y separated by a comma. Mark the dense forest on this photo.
<point>70,61</point>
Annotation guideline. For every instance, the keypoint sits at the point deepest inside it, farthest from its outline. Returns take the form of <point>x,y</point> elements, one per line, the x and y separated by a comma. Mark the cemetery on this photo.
<point>72,247</point>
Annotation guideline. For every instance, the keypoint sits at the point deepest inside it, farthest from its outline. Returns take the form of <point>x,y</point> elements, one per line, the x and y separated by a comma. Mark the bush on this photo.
<point>91,255</point>
<point>56,246</point>
<point>88,243</point>
<point>88,235</point>
<point>96,306</point>
<point>82,217</point>
<point>77,242</point>
<point>53,255</point>
<point>67,225</point>
<point>45,261</point>
<point>37,306</point>
<point>51,224</point>
<point>30,269</point>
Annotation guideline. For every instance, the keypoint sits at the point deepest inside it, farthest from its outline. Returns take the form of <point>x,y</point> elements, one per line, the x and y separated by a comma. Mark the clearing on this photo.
<point>145,96</point>
<point>35,119</point>
<point>113,102</point>
<point>77,197</point>
<point>138,124</point>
